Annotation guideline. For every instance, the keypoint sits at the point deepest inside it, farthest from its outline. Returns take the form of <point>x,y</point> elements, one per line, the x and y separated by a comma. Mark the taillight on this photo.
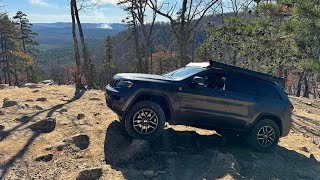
<point>291,106</point>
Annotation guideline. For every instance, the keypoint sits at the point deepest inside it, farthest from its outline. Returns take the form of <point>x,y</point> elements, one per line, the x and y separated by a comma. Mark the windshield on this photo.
<point>183,72</point>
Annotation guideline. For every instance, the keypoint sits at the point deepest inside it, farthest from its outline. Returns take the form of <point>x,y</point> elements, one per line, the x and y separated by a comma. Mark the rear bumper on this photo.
<point>286,125</point>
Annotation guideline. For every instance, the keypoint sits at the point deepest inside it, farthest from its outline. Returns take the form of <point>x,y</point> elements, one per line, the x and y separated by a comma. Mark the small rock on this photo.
<point>81,140</point>
<point>24,119</point>
<point>45,158</point>
<point>38,107</point>
<point>150,174</point>
<point>94,99</point>
<point>96,114</point>
<point>32,85</point>
<point>91,173</point>
<point>60,147</point>
<point>24,106</point>
<point>308,103</point>
<point>305,149</point>
<point>2,113</point>
<point>80,116</point>
<point>42,99</point>
<point>45,126</point>
<point>29,100</point>
<point>35,91</point>
<point>9,103</point>
<point>1,127</point>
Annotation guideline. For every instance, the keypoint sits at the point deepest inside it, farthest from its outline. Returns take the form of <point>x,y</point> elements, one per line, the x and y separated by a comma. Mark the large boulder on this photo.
<point>9,103</point>
<point>4,86</point>
<point>226,161</point>
<point>120,149</point>
<point>90,174</point>
<point>48,82</point>
<point>44,126</point>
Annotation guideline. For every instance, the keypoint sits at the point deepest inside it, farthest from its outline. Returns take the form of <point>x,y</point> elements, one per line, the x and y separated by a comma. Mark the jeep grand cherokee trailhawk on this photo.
<point>208,95</point>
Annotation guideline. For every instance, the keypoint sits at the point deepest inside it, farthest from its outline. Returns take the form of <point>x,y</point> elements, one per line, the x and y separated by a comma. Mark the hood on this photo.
<point>140,76</point>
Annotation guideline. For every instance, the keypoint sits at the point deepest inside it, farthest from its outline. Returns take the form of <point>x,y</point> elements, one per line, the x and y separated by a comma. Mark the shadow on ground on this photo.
<point>188,155</point>
<point>3,134</point>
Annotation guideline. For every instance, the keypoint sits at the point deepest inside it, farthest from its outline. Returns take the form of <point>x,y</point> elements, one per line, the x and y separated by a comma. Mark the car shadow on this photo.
<point>189,155</point>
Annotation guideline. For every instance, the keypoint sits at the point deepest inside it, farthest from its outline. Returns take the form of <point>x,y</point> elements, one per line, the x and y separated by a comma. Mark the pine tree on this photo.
<point>27,37</point>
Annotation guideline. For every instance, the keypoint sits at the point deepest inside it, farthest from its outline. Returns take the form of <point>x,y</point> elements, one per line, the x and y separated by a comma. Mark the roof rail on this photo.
<point>232,68</point>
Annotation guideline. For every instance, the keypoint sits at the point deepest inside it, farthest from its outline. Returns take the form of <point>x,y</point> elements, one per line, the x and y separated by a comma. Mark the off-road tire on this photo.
<point>145,105</point>
<point>253,135</point>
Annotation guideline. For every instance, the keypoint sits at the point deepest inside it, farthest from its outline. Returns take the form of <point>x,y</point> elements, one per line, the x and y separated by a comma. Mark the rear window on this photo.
<point>247,85</point>
<point>268,90</point>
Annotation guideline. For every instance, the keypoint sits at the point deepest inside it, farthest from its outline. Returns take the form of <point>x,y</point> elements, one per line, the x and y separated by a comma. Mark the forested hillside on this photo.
<point>275,37</point>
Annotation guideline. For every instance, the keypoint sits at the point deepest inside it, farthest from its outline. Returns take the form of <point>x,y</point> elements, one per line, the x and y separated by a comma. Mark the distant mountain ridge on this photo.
<point>55,35</point>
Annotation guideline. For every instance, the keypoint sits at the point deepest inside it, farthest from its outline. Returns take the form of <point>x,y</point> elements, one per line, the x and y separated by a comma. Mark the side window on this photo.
<point>241,84</point>
<point>267,90</point>
<point>215,81</point>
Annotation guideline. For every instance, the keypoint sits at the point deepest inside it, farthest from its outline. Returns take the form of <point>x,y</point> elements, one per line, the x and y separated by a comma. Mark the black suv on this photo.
<point>208,95</point>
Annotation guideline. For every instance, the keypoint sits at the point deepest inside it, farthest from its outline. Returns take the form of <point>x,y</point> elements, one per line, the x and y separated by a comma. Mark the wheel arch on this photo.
<point>158,98</point>
<point>272,117</point>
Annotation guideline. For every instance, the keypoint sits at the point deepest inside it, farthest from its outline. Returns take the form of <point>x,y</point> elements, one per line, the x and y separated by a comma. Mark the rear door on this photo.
<point>244,104</point>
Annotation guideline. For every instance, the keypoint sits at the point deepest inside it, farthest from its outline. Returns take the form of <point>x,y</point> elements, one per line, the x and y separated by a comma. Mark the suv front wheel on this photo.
<point>265,135</point>
<point>145,120</point>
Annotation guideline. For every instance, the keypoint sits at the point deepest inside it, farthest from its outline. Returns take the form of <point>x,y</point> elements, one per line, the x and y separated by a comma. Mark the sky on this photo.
<point>49,11</point>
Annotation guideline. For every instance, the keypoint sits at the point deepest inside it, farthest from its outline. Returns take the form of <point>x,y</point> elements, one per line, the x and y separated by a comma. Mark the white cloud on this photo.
<point>42,3</point>
<point>104,2</point>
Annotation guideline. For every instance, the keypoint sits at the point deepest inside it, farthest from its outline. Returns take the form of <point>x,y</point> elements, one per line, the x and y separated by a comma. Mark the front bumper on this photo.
<point>115,100</point>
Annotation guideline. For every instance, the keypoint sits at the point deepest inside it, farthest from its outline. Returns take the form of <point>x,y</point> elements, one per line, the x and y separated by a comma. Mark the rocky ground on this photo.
<point>53,132</point>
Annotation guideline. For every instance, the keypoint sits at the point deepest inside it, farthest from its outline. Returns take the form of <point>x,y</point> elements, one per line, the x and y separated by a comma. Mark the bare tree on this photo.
<point>184,21</point>
<point>137,13</point>
<point>75,45</point>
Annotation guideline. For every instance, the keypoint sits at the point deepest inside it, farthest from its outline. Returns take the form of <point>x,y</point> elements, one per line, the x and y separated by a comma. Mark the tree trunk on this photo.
<point>137,46</point>
<point>306,86</point>
<point>299,83</point>
<point>76,48</point>
<point>87,64</point>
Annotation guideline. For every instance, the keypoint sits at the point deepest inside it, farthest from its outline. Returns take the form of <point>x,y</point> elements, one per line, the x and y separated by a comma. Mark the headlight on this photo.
<point>124,83</point>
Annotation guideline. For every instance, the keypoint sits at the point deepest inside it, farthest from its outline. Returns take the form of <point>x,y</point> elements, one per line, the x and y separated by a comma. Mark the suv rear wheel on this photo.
<point>265,135</point>
<point>145,120</point>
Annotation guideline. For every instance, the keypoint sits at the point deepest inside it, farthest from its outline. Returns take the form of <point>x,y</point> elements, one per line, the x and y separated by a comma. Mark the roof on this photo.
<point>231,68</point>
<point>260,75</point>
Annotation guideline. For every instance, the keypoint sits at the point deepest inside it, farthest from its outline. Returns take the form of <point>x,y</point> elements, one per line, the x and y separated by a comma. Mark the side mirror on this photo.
<point>198,80</point>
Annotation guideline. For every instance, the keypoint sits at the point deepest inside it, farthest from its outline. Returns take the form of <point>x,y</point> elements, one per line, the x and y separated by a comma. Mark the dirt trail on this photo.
<point>180,153</point>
